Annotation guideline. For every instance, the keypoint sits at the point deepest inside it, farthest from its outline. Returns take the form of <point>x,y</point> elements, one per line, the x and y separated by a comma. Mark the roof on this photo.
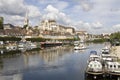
<point>93,52</point>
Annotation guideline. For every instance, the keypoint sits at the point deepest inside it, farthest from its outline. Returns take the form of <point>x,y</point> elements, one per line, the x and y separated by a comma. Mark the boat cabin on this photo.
<point>113,66</point>
<point>95,66</point>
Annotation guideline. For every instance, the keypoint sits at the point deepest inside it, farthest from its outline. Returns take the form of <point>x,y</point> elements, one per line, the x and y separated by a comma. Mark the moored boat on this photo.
<point>94,67</point>
<point>80,47</point>
<point>113,69</point>
<point>11,47</point>
<point>106,50</point>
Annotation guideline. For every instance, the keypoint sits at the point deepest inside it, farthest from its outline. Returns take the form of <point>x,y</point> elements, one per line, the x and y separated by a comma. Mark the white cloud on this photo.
<point>47,1</point>
<point>61,5</point>
<point>94,27</point>
<point>14,11</point>
<point>33,11</point>
<point>116,27</point>
<point>12,7</point>
<point>86,6</point>
<point>54,13</point>
<point>51,9</point>
<point>97,25</point>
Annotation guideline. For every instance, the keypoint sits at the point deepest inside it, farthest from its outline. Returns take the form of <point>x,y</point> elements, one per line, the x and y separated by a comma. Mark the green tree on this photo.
<point>1,22</point>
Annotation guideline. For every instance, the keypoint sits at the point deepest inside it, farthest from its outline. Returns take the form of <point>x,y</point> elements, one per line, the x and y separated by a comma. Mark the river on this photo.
<point>56,63</point>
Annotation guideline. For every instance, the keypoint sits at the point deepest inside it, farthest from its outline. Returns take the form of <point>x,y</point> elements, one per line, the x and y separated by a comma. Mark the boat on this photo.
<point>11,47</point>
<point>21,45</point>
<point>94,67</point>
<point>76,43</point>
<point>113,69</point>
<point>93,52</point>
<point>80,47</point>
<point>106,50</point>
<point>108,58</point>
<point>32,45</point>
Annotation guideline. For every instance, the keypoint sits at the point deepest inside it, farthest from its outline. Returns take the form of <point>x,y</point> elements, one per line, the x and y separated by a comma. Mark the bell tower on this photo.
<point>26,21</point>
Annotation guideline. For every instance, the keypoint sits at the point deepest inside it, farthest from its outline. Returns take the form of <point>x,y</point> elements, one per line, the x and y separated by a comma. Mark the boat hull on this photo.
<point>94,75</point>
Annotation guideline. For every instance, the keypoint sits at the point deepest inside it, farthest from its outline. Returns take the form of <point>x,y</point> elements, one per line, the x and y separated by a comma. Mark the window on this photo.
<point>118,66</point>
<point>110,66</point>
<point>114,66</point>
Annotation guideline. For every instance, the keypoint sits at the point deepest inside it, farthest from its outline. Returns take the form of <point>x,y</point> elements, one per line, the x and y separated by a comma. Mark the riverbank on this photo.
<point>115,50</point>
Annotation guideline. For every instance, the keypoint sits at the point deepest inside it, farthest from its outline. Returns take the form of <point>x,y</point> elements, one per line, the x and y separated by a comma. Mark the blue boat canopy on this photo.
<point>93,52</point>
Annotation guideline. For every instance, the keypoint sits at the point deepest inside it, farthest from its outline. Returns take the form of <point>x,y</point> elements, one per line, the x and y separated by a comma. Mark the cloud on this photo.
<point>94,27</point>
<point>51,9</point>
<point>97,25</point>
<point>54,13</point>
<point>12,7</point>
<point>61,5</point>
<point>116,27</point>
<point>86,6</point>
<point>47,1</point>
<point>33,11</point>
<point>14,11</point>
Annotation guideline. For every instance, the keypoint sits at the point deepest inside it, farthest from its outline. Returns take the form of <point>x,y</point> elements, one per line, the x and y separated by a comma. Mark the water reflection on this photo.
<point>56,63</point>
<point>47,56</point>
<point>12,77</point>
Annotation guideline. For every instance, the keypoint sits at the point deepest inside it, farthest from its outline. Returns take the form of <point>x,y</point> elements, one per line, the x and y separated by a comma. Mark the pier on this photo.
<point>115,50</point>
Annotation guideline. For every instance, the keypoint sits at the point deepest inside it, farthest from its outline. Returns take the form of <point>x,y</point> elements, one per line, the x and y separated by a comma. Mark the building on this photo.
<point>48,25</point>
<point>62,29</point>
<point>26,22</point>
<point>8,26</point>
<point>15,32</point>
<point>70,30</point>
<point>2,33</point>
<point>82,35</point>
<point>106,35</point>
<point>1,22</point>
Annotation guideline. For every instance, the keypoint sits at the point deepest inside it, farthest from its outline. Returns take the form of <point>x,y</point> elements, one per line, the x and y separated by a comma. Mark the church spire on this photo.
<point>26,21</point>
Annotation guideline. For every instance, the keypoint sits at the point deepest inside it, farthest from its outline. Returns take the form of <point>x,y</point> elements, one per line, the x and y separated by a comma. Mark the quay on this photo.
<point>115,50</point>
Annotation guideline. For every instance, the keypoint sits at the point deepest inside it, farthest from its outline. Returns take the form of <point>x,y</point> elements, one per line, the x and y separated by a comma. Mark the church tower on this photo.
<point>26,21</point>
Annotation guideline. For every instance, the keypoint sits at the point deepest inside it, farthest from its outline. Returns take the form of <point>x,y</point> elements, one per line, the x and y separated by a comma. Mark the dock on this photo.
<point>115,50</point>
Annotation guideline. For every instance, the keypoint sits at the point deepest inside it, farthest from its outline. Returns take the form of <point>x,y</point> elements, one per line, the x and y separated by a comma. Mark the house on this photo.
<point>2,33</point>
<point>82,35</point>
<point>8,26</point>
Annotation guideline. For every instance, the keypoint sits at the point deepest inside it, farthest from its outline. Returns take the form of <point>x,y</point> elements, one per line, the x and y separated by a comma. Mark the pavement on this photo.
<point>115,50</point>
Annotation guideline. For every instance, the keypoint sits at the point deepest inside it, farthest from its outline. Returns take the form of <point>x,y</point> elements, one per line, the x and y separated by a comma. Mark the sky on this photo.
<point>93,16</point>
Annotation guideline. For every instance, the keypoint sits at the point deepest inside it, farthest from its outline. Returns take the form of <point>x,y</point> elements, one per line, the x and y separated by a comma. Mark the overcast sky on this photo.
<point>94,16</point>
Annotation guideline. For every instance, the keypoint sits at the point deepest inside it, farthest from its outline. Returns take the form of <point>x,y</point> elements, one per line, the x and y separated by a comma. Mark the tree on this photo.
<point>1,22</point>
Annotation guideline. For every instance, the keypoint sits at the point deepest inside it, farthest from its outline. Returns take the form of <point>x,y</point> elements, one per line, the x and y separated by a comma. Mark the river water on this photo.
<point>56,63</point>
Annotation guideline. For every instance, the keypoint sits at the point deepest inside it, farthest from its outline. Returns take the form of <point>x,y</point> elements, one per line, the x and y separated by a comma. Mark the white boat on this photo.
<point>76,43</point>
<point>21,45</point>
<point>80,47</point>
<point>106,50</point>
<point>31,45</point>
<point>108,58</point>
<point>113,69</point>
<point>26,45</point>
<point>93,56</point>
<point>94,67</point>
<point>11,47</point>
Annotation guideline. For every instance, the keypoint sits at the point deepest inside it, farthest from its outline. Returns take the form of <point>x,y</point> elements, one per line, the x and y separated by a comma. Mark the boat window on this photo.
<point>114,66</point>
<point>91,65</point>
<point>95,65</point>
<point>98,65</point>
<point>110,66</point>
<point>118,66</point>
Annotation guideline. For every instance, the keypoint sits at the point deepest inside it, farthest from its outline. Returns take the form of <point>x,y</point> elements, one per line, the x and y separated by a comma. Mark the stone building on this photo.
<point>48,25</point>
<point>83,35</point>
<point>8,26</point>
